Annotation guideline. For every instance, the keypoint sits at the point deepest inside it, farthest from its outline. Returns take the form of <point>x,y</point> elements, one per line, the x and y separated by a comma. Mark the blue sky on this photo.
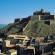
<point>11,9</point>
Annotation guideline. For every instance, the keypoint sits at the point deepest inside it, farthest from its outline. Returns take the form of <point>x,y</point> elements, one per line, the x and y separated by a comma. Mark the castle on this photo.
<point>39,16</point>
<point>26,45</point>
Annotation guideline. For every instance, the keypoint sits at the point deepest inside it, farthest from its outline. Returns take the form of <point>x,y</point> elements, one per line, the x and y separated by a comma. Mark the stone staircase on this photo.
<point>25,27</point>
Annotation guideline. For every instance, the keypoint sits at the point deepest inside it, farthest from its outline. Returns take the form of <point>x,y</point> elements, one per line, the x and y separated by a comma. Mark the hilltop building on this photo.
<point>39,16</point>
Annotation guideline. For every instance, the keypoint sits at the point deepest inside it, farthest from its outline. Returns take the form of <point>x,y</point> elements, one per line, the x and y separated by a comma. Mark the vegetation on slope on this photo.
<point>34,28</point>
<point>39,28</point>
<point>13,28</point>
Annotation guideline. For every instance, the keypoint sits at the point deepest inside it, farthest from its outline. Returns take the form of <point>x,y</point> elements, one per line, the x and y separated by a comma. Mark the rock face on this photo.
<point>36,24</point>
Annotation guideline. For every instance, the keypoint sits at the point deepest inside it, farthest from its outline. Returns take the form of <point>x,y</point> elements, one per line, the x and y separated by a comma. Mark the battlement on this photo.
<point>42,12</point>
<point>46,17</point>
<point>37,15</point>
<point>22,19</point>
<point>18,20</point>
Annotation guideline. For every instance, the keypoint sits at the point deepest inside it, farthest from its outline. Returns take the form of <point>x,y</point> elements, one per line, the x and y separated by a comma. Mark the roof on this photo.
<point>44,43</point>
<point>12,50</point>
<point>54,52</point>
<point>10,45</point>
<point>21,36</point>
<point>22,46</point>
<point>40,38</point>
<point>27,39</point>
<point>18,38</point>
<point>33,37</point>
<point>7,40</point>
<point>30,47</point>
<point>24,43</point>
<point>14,36</point>
<point>50,40</point>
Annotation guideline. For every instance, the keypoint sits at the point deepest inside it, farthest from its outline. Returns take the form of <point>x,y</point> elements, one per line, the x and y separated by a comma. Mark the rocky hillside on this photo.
<point>39,28</point>
<point>32,26</point>
<point>15,28</point>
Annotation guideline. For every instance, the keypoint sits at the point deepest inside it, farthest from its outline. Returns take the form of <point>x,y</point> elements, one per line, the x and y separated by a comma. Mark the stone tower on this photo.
<point>42,11</point>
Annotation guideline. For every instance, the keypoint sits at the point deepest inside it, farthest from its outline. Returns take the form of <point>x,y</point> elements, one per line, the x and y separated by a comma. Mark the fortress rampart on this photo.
<point>38,16</point>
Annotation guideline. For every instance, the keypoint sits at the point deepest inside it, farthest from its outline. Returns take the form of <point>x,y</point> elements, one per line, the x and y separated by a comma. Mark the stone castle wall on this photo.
<point>47,17</point>
<point>17,20</point>
<point>38,16</point>
<point>22,19</point>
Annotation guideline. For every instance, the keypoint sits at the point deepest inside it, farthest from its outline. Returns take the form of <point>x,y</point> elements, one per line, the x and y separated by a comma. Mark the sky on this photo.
<point>11,9</point>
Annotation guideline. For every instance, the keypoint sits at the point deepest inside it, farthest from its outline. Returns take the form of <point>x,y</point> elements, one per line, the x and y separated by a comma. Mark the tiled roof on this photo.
<point>27,39</point>
<point>30,47</point>
<point>43,43</point>
<point>17,36</point>
<point>11,45</point>
<point>7,40</point>
<point>12,50</point>
<point>22,46</point>
<point>12,35</point>
<point>54,52</point>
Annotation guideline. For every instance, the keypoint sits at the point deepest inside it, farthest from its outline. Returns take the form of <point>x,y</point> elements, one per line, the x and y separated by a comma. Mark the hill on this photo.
<point>35,28</point>
<point>39,28</point>
<point>39,24</point>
